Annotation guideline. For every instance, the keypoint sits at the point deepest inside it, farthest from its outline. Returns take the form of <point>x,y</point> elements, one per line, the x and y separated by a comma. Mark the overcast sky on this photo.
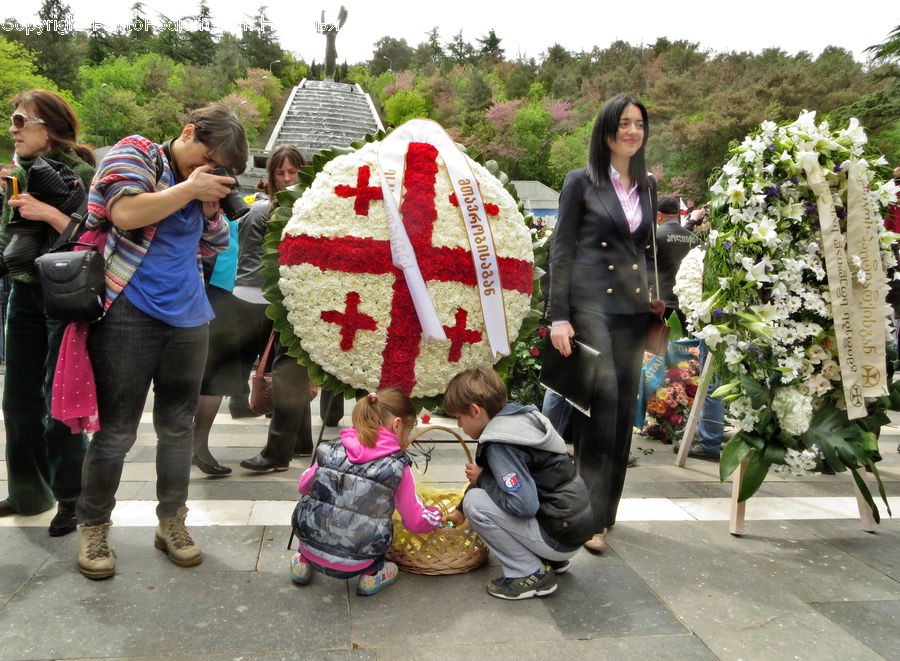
<point>527,28</point>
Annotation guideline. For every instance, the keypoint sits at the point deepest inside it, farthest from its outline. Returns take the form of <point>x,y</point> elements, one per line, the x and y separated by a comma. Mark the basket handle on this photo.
<point>453,432</point>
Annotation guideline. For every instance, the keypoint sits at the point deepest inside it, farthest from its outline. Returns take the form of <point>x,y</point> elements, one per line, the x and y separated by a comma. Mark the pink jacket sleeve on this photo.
<point>416,517</point>
<point>306,479</point>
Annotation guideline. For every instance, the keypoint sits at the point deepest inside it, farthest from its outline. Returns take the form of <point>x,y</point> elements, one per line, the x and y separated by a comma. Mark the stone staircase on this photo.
<point>320,115</point>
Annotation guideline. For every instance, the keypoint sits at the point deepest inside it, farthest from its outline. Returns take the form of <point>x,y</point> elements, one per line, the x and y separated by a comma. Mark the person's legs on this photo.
<point>628,333</point>
<point>124,347</point>
<point>517,543</point>
<point>711,428</point>
<point>594,437</point>
<point>176,387</point>
<point>43,456</point>
<point>331,407</point>
<point>204,416</point>
<point>290,418</point>
<point>23,403</point>
<point>557,410</point>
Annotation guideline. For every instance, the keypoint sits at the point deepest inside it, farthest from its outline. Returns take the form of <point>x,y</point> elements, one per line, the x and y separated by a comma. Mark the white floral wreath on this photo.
<point>345,301</point>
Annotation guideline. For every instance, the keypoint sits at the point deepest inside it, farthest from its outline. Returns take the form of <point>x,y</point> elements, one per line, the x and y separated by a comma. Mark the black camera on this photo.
<point>233,204</point>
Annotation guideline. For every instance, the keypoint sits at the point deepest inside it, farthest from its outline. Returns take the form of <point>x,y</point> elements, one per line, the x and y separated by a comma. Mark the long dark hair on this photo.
<point>59,121</point>
<point>606,128</point>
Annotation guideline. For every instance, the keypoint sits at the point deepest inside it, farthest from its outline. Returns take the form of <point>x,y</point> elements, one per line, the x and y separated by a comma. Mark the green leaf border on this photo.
<point>270,271</point>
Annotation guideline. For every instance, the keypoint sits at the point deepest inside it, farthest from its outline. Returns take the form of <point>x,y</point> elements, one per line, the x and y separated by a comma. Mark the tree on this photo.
<point>57,56</point>
<point>18,73</point>
<point>519,80</point>
<point>460,50</point>
<point>259,44</point>
<point>490,47</point>
<point>478,93</point>
<point>434,48</point>
<point>390,55</point>
<point>889,49</point>
<point>404,105</point>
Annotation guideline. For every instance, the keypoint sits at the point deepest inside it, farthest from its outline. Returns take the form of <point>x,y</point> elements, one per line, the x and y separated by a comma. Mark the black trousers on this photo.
<point>603,440</point>
<point>290,429</point>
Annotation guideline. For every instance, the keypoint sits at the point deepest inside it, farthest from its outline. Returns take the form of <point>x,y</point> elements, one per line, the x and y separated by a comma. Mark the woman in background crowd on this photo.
<point>43,456</point>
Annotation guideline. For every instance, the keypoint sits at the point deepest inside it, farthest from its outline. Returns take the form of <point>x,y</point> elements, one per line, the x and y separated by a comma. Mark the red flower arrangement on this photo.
<point>669,406</point>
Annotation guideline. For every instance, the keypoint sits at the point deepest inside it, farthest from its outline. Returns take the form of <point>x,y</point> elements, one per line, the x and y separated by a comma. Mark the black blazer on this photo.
<point>596,263</point>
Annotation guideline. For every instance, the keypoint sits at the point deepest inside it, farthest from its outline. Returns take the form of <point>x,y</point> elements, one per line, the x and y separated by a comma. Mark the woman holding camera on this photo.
<point>161,204</point>
<point>43,457</point>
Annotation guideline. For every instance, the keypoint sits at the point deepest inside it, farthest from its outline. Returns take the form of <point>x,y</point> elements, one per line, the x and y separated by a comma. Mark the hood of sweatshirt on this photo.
<point>386,443</point>
<point>525,426</point>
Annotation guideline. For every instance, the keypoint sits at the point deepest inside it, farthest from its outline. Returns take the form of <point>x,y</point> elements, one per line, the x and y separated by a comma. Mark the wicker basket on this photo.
<point>443,550</point>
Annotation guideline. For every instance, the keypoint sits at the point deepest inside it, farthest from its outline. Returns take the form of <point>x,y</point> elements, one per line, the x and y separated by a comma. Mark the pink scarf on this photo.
<point>74,398</point>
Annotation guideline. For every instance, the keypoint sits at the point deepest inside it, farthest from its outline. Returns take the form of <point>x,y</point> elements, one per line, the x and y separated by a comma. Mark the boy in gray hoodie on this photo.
<point>525,499</point>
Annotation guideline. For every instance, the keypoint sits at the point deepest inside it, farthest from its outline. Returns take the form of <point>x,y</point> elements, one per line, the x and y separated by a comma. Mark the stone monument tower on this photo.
<point>330,30</point>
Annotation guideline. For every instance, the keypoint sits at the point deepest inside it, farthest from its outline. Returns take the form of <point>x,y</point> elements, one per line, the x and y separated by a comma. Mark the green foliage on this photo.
<point>404,105</point>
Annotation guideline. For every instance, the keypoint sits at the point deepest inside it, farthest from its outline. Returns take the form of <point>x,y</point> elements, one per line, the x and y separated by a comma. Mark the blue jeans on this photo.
<point>129,351</point>
<point>712,416</point>
<point>557,410</point>
<point>43,457</point>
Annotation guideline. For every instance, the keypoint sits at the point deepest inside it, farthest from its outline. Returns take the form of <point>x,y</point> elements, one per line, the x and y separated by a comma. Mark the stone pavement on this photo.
<point>804,582</point>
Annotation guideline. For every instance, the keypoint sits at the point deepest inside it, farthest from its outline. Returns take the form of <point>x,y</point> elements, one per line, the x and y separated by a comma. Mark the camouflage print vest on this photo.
<point>347,512</point>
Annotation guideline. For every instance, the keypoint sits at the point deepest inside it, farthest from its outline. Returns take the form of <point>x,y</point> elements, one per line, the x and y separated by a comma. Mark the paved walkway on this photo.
<point>805,582</point>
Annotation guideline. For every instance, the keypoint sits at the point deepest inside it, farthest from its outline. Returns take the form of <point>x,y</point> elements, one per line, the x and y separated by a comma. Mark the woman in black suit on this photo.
<point>599,292</point>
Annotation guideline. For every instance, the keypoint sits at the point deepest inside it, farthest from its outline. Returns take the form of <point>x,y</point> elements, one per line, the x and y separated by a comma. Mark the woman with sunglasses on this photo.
<point>43,457</point>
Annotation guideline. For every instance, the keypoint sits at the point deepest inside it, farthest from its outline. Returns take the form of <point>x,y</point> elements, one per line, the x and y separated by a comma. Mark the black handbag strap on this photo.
<point>70,245</point>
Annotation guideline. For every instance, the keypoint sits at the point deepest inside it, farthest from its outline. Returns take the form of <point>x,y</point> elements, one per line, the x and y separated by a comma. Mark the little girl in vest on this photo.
<point>343,519</point>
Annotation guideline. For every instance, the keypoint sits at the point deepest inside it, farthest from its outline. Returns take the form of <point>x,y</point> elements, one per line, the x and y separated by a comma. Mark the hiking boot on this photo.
<point>369,584</point>
<point>539,584</point>
<point>301,570</point>
<point>174,540</point>
<point>95,559</point>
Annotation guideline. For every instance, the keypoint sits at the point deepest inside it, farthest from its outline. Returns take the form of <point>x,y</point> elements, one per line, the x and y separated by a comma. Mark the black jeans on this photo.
<point>602,442</point>
<point>43,457</point>
<point>129,351</point>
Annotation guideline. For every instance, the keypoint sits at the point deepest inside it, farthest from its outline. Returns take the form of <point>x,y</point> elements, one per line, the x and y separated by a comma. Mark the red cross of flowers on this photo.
<point>460,335</point>
<point>349,254</point>
<point>350,321</point>
<point>362,192</point>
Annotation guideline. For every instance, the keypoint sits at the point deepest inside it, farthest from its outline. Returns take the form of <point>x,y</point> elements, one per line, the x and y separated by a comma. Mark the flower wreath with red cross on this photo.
<point>345,308</point>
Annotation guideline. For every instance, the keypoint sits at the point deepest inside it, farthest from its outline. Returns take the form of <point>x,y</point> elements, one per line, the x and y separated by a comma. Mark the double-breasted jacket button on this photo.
<point>612,268</point>
<point>603,244</point>
<point>634,267</point>
<point>637,291</point>
<point>609,291</point>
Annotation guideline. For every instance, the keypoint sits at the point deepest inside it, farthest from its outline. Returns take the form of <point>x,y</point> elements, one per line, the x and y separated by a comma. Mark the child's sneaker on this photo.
<point>539,584</point>
<point>369,584</point>
<point>301,570</point>
<point>558,566</point>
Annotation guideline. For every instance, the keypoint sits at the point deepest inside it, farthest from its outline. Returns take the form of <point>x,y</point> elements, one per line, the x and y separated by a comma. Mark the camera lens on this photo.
<point>233,205</point>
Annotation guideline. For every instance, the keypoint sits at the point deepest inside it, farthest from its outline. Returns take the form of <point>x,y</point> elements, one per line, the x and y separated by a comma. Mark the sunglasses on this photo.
<point>20,120</point>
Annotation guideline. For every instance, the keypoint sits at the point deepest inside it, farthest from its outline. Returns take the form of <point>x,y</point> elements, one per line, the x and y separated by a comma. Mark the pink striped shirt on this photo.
<point>630,200</point>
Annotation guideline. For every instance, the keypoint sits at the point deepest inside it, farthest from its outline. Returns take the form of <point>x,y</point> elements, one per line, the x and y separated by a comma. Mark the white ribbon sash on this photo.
<point>392,159</point>
<point>840,287</point>
<point>868,297</point>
